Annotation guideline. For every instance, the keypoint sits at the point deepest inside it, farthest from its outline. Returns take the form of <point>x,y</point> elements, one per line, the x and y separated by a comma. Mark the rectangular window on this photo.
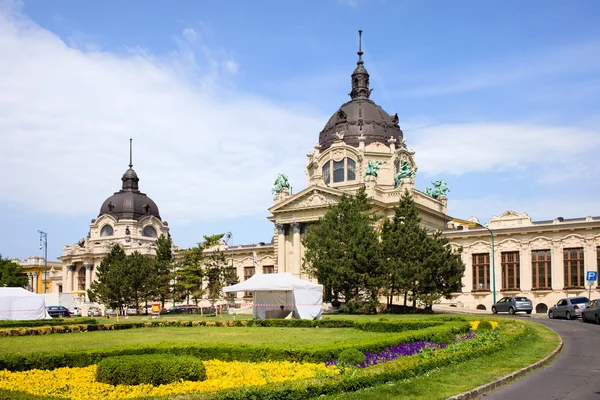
<point>327,172</point>
<point>248,273</point>
<point>511,271</point>
<point>574,273</point>
<point>541,269</point>
<point>351,169</point>
<point>481,272</point>
<point>231,275</point>
<point>268,269</point>
<point>338,171</point>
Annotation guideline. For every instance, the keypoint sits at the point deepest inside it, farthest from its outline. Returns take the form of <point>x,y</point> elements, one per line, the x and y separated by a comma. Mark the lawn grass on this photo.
<point>290,337</point>
<point>449,381</point>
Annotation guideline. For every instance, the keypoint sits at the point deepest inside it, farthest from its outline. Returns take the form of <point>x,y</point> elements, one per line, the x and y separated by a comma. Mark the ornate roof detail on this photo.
<point>360,116</point>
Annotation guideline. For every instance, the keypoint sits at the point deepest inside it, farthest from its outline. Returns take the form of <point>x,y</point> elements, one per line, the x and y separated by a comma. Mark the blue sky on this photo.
<point>500,98</point>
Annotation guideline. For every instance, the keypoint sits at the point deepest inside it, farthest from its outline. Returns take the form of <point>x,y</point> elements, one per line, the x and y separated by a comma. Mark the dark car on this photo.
<point>58,311</point>
<point>512,305</point>
<point>569,307</point>
<point>592,312</point>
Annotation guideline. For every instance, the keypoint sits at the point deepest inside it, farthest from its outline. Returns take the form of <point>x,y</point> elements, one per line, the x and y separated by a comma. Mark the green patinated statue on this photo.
<point>439,188</point>
<point>404,172</point>
<point>280,183</point>
<point>372,168</point>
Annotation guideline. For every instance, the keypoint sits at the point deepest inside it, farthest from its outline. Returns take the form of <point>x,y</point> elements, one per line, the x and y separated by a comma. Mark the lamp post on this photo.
<point>44,245</point>
<point>232,279</point>
<point>473,224</point>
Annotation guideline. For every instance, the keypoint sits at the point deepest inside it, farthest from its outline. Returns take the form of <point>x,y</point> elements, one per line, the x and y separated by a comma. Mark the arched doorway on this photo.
<point>481,307</point>
<point>81,278</point>
<point>541,308</point>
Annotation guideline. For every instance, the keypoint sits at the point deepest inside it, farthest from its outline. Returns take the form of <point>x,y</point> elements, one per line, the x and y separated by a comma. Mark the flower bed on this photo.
<point>80,383</point>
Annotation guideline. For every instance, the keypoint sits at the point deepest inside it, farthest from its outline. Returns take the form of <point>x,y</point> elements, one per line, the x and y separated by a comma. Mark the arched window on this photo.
<point>326,173</point>
<point>351,169</point>
<point>107,230</point>
<point>343,170</point>
<point>81,279</point>
<point>149,231</point>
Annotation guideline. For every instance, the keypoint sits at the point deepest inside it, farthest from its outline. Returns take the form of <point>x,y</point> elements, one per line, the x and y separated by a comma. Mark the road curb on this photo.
<point>483,389</point>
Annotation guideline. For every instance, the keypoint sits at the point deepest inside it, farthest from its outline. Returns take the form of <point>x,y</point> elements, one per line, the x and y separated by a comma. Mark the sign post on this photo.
<point>591,277</point>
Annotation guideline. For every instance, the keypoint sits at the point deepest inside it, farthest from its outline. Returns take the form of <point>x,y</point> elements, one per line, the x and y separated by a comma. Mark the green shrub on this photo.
<point>351,357</point>
<point>485,326</point>
<point>154,369</point>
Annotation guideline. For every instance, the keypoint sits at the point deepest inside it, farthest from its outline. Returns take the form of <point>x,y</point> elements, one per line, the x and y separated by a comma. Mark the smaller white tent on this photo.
<point>19,304</point>
<point>272,291</point>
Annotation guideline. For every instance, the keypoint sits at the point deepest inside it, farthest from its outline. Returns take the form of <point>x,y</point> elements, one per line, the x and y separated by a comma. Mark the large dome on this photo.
<point>129,202</point>
<point>360,116</point>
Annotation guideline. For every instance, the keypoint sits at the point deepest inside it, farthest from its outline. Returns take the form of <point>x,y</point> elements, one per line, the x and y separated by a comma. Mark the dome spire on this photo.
<point>130,178</point>
<point>360,76</point>
<point>130,153</point>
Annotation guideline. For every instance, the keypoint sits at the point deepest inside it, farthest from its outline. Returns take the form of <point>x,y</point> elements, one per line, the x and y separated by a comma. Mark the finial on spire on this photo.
<point>360,52</point>
<point>130,153</point>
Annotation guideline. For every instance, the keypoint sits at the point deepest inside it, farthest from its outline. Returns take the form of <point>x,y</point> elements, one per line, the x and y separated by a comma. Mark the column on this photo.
<point>69,286</point>
<point>297,262</point>
<point>590,259</point>
<point>281,248</point>
<point>88,277</point>
<point>467,280</point>
<point>35,281</point>
<point>525,267</point>
<point>30,281</point>
<point>558,267</point>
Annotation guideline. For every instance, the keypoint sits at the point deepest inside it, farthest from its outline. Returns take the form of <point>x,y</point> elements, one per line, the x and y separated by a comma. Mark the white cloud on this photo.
<point>190,34</point>
<point>201,151</point>
<point>554,153</point>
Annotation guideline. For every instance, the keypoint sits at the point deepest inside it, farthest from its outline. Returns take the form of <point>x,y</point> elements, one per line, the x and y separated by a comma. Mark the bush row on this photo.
<point>149,369</point>
<point>46,322</point>
<point>85,326</point>
<point>227,352</point>
<point>486,343</point>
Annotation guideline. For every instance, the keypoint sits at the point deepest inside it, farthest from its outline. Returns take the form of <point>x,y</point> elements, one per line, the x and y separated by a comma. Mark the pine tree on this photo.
<point>109,288</point>
<point>163,274</point>
<point>190,275</point>
<point>342,252</point>
<point>404,246</point>
<point>214,265</point>
<point>140,278</point>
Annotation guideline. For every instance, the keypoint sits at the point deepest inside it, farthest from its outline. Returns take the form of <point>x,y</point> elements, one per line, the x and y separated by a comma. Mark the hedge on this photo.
<point>226,352</point>
<point>46,322</point>
<point>149,369</point>
<point>406,367</point>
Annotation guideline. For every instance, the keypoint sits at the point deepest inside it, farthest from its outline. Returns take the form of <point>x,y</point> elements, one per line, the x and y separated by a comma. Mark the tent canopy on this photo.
<point>19,304</point>
<point>283,292</point>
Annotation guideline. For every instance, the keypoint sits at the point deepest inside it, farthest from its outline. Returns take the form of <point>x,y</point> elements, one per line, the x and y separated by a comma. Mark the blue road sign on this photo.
<point>591,276</point>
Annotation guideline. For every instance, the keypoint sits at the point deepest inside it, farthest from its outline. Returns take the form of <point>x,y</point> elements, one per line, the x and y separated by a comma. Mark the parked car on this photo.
<point>58,311</point>
<point>512,305</point>
<point>592,312</point>
<point>569,307</point>
<point>94,312</point>
<point>75,310</point>
<point>110,311</point>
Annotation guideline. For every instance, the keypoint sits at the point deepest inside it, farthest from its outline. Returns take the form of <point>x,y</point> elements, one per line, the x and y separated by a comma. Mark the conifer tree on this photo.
<point>109,288</point>
<point>163,274</point>
<point>342,252</point>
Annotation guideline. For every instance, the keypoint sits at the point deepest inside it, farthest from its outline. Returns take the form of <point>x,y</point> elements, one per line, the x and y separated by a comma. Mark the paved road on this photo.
<point>573,375</point>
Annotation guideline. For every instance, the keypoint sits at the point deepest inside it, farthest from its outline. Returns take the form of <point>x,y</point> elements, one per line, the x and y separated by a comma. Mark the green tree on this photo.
<point>214,265</point>
<point>11,274</point>
<point>140,279</point>
<point>163,274</point>
<point>109,288</point>
<point>404,246</point>
<point>190,275</point>
<point>441,272</point>
<point>343,252</point>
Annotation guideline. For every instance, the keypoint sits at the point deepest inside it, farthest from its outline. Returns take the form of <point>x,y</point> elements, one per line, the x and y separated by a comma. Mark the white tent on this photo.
<point>19,304</point>
<point>303,299</point>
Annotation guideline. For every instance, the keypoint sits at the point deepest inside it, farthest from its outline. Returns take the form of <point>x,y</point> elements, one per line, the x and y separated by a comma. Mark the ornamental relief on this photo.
<point>338,155</point>
<point>478,247</point>
<point>540,243</point>
<point>509,244</point>
<point>315,199</point>
<point>572,241</point>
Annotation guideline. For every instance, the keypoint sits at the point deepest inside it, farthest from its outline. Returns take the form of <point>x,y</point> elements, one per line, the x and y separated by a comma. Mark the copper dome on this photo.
<point>360,116</point>
<point>129,202</point>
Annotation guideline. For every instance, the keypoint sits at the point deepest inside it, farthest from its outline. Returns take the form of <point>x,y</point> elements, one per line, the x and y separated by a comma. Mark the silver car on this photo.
<point>569,307</point>
<point>592,312</point>
<point>512,305</point>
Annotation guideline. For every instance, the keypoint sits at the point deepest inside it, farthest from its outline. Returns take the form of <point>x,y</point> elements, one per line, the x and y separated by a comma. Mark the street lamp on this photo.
<point>473,224</point>
<point>44,245</point>
<point>232,280</point>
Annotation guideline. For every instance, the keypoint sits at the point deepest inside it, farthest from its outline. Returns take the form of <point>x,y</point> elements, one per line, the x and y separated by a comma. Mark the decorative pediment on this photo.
<point>573,241</point>
<point>312,197</point>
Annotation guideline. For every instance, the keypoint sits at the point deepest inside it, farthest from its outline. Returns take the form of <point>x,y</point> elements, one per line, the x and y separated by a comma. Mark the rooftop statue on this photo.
<point>280,183</point>
<point>439,188</point>
<point>404,172</point>
<point>372,168</point>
